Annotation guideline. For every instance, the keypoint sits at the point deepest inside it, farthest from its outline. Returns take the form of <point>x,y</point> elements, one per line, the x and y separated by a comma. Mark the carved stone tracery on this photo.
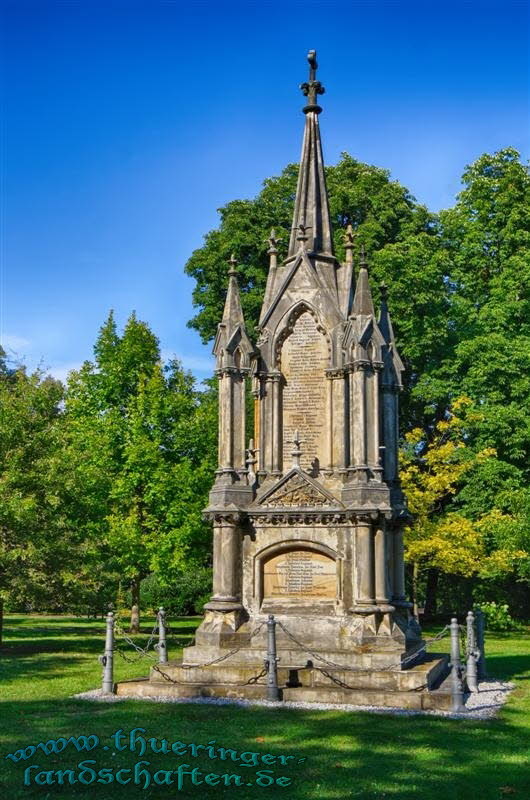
<point>297,492</point>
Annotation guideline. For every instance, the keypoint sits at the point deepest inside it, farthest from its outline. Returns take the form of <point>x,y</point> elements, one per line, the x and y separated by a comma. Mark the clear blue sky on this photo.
<point>128,124</point>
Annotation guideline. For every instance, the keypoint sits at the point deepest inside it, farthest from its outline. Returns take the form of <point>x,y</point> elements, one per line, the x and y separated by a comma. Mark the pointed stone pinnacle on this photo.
<point>349,240</point>
<point>273,242</point>
<point>363,263</point>
<point>362,301</point>
<point>311,203</point>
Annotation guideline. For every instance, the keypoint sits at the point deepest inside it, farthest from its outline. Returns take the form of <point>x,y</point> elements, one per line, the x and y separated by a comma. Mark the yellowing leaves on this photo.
<point>430,476</point>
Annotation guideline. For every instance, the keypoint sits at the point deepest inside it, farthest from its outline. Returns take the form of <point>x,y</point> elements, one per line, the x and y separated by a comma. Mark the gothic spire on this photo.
<point>384,322</point>
<point>233,312</point>
<point>311,211</point>
<point>271,277</point>
<point>231,333</point>
<point>362,301</point>
<point>393,363</point>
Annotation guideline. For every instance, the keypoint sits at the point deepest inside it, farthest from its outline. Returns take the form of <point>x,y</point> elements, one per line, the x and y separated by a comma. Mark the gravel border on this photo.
<point>483,704</point>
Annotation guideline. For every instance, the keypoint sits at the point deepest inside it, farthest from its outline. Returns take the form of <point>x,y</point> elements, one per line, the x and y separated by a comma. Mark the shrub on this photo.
<point>498,617</point>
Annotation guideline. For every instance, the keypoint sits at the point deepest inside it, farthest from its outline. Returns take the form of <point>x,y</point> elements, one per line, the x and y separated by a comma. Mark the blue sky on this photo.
<point>128,124</point>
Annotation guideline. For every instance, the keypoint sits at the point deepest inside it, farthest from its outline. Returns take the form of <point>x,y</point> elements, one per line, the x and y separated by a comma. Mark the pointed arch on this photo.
<point>286,326</point>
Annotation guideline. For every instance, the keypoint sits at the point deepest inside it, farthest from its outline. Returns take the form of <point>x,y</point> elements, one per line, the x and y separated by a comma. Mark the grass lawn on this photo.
<point>46,659</point>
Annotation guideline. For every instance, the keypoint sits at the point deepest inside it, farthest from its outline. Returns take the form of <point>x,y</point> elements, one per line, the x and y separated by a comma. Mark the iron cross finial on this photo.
<point>313,87</point>
<point>313,66</point>
<point>233,264</point>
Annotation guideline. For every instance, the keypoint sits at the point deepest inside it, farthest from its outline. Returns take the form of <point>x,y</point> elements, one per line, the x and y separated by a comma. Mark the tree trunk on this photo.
<point>431,592</point>
<point>415,575</point>
<point>135,607</point>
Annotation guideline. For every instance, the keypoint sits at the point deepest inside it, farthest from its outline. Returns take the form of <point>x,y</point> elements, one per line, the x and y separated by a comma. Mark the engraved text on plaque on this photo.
<point>300,573</point>
<point>304,360</point>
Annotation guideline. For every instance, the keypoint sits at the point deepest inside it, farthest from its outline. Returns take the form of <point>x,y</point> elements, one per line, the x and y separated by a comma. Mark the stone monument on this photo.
<point>308,517</point>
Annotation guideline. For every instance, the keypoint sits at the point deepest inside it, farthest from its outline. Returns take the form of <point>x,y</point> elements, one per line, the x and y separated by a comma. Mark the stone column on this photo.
<point>351,418</point>
<point>226,417</point>
<point>373,423</point>
<point>266,423</point>
<point>226,566</point>
<point>399,567</point>
<point>390,432</point>
<point>338,427</point>
<point>276,424</point>
<point>382,587</point>
<point>330,425</point>
<point>256,393</point>
<point>358,455</point>
<point>240,414</point>
<point>364,564</point>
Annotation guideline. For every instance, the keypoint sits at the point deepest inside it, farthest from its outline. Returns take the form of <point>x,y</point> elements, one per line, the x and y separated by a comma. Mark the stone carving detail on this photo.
<point>297,492</point>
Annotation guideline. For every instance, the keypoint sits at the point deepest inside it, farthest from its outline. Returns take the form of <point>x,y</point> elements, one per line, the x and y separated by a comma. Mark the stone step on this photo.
<point>410,700</point>
<point>425,674</point>
<point>290,657</point>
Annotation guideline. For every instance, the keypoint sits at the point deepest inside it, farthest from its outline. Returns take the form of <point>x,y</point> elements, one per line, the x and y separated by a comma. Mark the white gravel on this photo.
<point>483,704</point>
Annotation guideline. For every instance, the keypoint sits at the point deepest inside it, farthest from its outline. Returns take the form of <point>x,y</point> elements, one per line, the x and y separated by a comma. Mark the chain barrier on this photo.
<point>141,652</point>
<point>461,637</point>
<point>217,660</point>
<point>180,642</point>
<point>393,666</point>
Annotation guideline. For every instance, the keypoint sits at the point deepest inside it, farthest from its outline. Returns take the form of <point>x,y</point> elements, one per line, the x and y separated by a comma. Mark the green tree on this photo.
<point>37,549</point>
<point>439,538</point>
<point>132,421</point>
<point>487,240</point>
<point>458,286</point>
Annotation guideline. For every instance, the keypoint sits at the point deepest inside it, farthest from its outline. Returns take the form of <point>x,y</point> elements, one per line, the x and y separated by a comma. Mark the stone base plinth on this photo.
<point>411,688</point>
<point>376,635</point>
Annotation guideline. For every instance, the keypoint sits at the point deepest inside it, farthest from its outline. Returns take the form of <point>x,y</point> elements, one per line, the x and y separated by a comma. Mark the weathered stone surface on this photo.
<point>412,688</point>
<point>303,362</point>
<point>307,522</point>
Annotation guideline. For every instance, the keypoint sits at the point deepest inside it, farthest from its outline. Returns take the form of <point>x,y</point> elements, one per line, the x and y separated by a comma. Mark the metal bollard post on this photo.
<point>107,660</point>
<point>457,689</point>
<point>273,693</point>
<point>481,628</point>
<point>162,646</point>
<point>471,654</point>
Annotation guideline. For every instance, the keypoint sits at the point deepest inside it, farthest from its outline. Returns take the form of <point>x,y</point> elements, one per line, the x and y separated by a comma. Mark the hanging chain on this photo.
<point>179,642</point>
<point>257,677</point>
<point>250,681</point>
<point>394,666</point>
<point>141,652</point>
<point>214,660</point>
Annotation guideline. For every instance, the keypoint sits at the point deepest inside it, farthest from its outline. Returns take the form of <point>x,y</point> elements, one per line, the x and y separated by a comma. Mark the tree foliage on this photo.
<point>458,292</point>
<point>108,480</point>
<point>144,429</point>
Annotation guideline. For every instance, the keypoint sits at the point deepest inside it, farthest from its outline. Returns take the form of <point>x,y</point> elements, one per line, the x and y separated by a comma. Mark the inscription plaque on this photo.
<point>300,573</point>
<point>304,360</point>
